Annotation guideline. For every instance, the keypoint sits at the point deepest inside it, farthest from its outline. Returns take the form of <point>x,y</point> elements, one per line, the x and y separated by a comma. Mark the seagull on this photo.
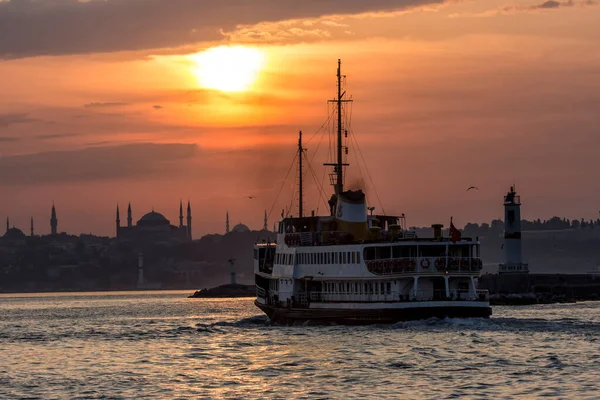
<point>472,187</point>
<point>231,261</point>
<point>250,197</point>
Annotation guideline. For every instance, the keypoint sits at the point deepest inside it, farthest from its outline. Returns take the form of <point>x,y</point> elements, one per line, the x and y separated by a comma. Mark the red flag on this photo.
<point>454,233</point>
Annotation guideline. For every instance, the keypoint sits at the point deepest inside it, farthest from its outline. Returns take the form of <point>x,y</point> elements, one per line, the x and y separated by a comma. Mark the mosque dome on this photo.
<point>240,228</point>
<point>152,219</point>
<point>14,233</point>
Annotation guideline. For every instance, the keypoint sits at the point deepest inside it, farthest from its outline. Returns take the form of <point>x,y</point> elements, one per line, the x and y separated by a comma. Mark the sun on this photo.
<point>228,68</point>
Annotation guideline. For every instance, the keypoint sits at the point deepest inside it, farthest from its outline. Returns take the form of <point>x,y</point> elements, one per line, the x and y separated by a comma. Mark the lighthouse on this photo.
<point>513,260</point>
<point>140,282</point>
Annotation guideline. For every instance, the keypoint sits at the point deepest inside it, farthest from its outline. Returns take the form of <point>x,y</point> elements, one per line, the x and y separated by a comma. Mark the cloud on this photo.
<point>50,136</point>
<point>157,107</point>
<point>57,27</point>
<point>9,139</point>
<point>144,160</point>
<point>517,8</point>
<point>105,104</point>
<point>7,120</point>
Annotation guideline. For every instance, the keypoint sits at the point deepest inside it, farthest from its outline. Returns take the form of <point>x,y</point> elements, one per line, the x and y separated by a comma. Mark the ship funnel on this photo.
<point>351,214</point>
<point>437,231</point>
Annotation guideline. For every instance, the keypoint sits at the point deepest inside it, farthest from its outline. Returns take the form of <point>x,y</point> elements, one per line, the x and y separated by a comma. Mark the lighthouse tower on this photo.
<point>513,262</point>
<point>140,282</point>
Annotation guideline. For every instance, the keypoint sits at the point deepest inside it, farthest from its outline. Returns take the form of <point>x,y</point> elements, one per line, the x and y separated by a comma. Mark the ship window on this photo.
<point>459,250</point>
<point>358,257</point>
<point>432,251</point>
<point>344,258</point>
<point>388,287</point>
<point>347,287</point>
<point>353,257</point>
<point>329,258</point>
<point>377,253</point>
<point>404,251</point>
<point>322,257</point>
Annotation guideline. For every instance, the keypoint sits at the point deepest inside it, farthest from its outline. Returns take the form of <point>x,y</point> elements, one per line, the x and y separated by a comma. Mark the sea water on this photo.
<point>164,345</point>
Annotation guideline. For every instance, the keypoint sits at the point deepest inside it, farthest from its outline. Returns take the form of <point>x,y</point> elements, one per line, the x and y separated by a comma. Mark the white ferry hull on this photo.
<point>354,314</point>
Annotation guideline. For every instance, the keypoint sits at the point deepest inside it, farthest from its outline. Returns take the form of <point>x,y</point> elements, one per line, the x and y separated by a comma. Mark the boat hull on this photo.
<point>357,316</point>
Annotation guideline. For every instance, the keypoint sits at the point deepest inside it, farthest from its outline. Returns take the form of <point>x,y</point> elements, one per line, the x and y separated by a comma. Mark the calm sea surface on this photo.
<point>163,345</point>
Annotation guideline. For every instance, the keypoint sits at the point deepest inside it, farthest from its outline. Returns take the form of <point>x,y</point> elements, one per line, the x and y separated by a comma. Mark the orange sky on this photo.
<point>447,95</point>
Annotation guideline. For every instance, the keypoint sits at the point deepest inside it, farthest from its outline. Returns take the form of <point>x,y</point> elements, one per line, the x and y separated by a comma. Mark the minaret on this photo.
<point>189,221</point>
<point>7,224</point>
<point>129,219</point>
<point>180,214</point>
<point>226,223</point>
<point>118,221</point>
<point>32,234</point>
<point>513,262</point>
<point>266,225</point>
<point>53,221</point>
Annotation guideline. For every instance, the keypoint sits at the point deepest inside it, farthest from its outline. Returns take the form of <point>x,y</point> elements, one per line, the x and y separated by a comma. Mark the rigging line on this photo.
<point>318,145</point>
<point>289,210</point>
<point>320,190</point>
<point>322,183</point>
<point>368,172</point>
<point>282,185</point>
<point>321,127</point>
<point>362,178</point>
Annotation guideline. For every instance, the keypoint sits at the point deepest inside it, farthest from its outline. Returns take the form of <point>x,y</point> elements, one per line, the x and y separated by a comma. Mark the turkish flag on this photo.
<point>454,233</point>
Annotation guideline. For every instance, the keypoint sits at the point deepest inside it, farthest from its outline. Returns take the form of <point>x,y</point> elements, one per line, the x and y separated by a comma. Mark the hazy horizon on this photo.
<point>107,102</point>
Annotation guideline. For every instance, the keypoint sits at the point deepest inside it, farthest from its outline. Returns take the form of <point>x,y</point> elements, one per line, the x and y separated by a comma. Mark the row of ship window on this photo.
<point>357,287</point>
<point>336,257</point>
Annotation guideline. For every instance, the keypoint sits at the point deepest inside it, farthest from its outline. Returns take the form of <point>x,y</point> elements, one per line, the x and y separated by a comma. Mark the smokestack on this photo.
<point>437,231</point>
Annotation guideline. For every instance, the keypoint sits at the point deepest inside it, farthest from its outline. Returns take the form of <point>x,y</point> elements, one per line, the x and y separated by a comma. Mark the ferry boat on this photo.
<point>350,267</point>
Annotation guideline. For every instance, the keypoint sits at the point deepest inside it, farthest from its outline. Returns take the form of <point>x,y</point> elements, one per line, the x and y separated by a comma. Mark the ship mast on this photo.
<point>337,178</point>
<point>300,195</point>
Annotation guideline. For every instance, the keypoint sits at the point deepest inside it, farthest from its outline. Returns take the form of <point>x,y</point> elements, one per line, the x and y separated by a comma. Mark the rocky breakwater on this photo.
<point>229,290</point>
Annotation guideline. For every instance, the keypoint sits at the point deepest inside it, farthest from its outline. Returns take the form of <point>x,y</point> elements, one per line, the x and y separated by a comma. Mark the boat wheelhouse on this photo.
<point>351,267</point>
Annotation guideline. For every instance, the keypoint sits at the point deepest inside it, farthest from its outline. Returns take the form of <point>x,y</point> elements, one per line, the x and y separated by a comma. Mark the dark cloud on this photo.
<point>144,160</point>
<point>51,136</point>
<point>157,107</point>
<point>55,27</point>
<point>548,4</point>
<point>105,104</point>
<point>7,120</point>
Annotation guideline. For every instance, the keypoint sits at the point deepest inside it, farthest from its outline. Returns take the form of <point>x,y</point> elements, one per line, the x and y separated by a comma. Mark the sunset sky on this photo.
<point>110,101</point>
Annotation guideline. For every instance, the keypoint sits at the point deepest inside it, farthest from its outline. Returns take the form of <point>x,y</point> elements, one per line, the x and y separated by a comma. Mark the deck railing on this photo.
<point>304,299</point>
<point>392,266</point>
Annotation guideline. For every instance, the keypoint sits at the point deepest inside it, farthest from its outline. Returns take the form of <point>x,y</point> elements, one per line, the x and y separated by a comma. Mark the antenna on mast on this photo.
<point>337,178</point>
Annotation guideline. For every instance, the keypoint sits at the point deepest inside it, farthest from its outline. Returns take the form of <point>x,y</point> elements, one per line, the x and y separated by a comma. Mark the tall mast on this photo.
<point>337,178</point>
<point>300,154</point>
<point>340,178</point>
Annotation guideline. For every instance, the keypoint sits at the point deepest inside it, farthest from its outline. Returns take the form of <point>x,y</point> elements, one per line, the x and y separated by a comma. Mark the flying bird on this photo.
<point>472,187</point>
<point>251,197</point>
